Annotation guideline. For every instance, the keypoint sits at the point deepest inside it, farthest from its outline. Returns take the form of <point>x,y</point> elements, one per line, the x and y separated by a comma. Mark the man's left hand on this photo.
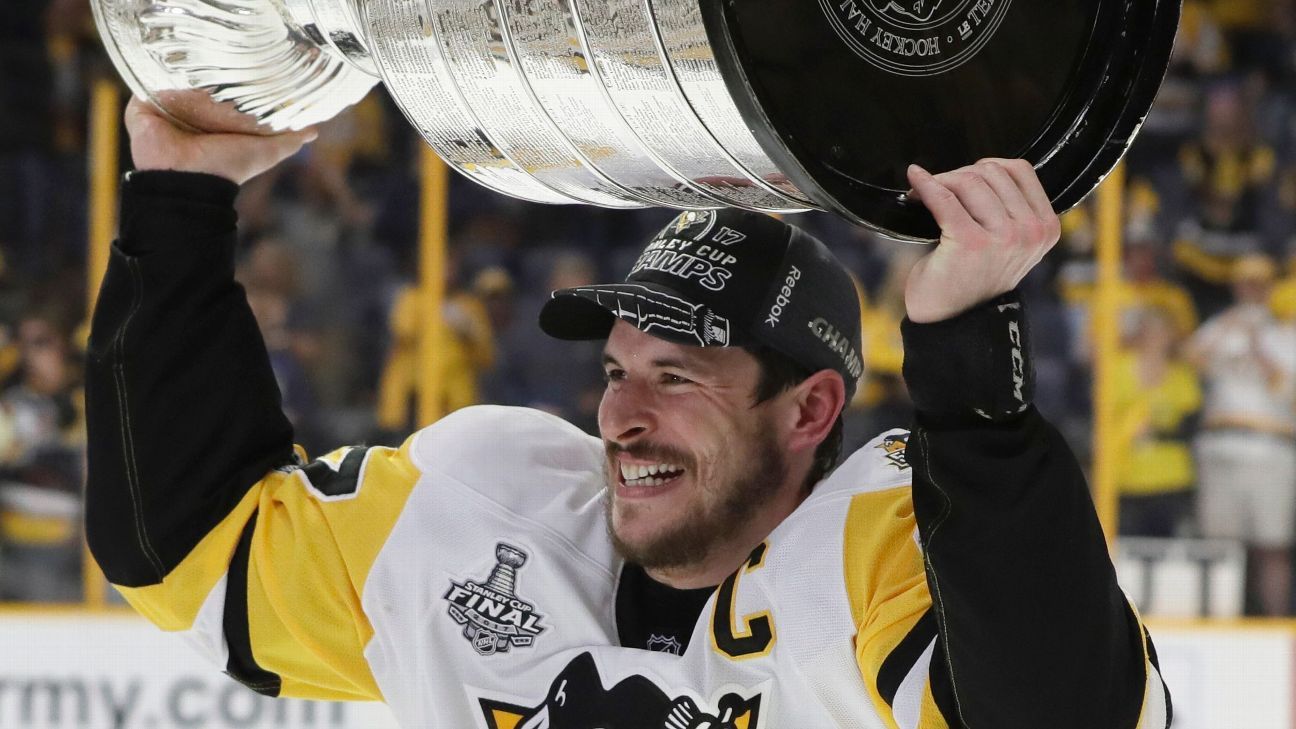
<point>996,223</point>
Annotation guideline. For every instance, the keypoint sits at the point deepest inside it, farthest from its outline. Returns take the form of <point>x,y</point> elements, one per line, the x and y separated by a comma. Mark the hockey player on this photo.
<point>703,564</point>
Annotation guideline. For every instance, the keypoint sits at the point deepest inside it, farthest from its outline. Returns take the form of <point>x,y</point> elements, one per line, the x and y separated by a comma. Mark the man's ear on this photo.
<point>818,401</point>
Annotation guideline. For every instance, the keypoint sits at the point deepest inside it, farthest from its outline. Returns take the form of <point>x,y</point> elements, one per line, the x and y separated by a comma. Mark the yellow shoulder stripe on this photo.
<point>307,625</point>
<point>309,562</point>
<point>885,580</point>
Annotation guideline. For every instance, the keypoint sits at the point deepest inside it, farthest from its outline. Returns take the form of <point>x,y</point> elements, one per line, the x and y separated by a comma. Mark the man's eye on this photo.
<point>669,379</point>
<point>613,375</point>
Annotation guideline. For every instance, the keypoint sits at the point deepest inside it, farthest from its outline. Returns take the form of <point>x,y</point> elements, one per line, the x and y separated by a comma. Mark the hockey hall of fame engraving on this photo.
<point>916,37</point>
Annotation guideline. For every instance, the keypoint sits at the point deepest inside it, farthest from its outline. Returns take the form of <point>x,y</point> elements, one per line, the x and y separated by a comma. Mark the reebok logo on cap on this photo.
<point>784,297</point>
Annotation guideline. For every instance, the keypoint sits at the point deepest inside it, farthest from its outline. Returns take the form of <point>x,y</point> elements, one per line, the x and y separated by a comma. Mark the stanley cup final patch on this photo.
<point>493,617</point>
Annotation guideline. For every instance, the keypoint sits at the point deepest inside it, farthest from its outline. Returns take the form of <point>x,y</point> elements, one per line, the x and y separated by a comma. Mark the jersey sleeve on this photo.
<point>891,607</point>
<point>198,510</point>
<point>966,633</point>
<point>1027,625</point>
<point>1005,610</point>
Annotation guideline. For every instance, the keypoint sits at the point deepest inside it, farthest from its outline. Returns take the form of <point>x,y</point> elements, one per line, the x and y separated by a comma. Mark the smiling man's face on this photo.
<point>693,462</point>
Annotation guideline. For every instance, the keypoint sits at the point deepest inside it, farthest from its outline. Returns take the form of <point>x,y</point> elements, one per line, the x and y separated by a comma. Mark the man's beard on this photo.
<point>691,539</point>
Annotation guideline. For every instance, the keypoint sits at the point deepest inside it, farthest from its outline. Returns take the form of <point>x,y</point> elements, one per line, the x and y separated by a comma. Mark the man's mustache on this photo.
<point>646,451</point>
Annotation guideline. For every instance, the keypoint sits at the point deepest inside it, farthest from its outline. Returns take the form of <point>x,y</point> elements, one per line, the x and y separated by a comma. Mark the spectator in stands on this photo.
<point>1065,353</point>
<point>44,402</point>
<point>1246,451</point>
<point>1254,30</point>
<point>1200,52</point>
<point>1144,286</point>
<point>1229,173</point>
<point>26,143</point>
<point>464,350</point>
<point>271,309</point>
<point>326,181</point>
<point>270,275</point>
<point>539,371</point>
<point>1078,269</point>
<point>41,466</point>
<point>1157,396</point>
<point>494,286</point>
<point>492,240</point>
<point>325,197</point>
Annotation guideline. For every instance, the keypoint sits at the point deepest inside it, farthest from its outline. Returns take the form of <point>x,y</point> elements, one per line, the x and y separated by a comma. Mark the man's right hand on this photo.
<point>158,144</point>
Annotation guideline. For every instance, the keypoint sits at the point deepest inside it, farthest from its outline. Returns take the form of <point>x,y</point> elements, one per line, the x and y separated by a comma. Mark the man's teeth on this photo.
<point>636,472</point>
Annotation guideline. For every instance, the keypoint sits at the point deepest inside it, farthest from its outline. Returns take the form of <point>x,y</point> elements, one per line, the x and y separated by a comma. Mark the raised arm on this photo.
<point>1031,627</point>
<point>179,385</point>
<point>197,508</point>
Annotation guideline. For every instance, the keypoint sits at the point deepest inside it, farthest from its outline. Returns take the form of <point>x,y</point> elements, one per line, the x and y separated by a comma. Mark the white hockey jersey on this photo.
<point>467,580</point>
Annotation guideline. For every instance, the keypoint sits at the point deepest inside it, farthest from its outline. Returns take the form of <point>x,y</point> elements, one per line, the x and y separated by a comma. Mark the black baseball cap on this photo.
<point>728,278</point>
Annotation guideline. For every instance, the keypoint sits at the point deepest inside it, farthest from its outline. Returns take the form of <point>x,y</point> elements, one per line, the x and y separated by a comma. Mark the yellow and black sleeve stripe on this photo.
<point>891,608</point>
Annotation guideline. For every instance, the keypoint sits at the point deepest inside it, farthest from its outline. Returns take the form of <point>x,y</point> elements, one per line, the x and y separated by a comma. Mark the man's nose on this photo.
<point>627,412</point>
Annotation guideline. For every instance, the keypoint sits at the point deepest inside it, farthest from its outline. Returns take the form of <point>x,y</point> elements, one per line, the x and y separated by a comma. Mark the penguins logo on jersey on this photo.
<point>894,447</point>
<point>578,700</point>
<point>494,618</point>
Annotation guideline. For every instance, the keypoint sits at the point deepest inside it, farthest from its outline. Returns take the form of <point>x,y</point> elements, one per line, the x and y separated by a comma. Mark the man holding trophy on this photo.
<point>710,560</point>
<point>501,569</point>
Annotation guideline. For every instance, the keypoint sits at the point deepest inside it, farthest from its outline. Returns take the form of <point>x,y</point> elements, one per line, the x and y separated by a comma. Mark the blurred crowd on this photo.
<point>1205,378</point>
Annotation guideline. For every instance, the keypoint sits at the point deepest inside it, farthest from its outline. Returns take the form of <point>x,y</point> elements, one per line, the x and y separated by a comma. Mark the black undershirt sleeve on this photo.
<point>183,412</point>
<point>1033,629</point>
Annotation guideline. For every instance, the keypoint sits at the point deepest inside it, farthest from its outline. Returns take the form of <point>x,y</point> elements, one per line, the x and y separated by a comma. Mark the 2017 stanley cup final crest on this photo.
<point>578,699</point>
<point>495,619</point>
<point>916,37</point>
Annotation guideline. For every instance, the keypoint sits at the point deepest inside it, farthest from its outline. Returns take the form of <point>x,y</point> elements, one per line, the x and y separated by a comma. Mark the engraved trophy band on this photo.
<point>767,105</point>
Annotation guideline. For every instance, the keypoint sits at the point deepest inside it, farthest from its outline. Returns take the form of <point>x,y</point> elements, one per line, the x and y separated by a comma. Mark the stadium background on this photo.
<point>390,293</point>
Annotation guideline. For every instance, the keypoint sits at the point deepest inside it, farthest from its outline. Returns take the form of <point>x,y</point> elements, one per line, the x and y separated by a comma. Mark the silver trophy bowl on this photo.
<point>587,101</point>
<point>234,65</point>
<point>688,104</point>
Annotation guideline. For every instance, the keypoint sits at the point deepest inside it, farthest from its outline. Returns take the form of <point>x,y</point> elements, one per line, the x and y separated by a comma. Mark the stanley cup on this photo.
<point>503,577</point>
<point>767,105</point>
